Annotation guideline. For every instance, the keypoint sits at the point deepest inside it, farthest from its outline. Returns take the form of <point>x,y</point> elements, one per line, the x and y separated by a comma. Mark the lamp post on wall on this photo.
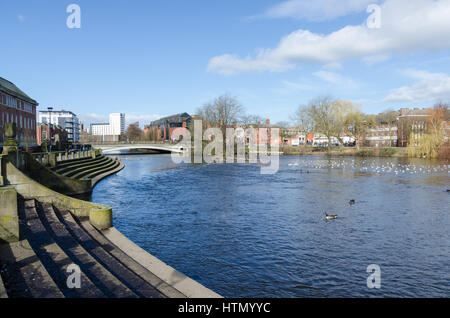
<point>50,126</point>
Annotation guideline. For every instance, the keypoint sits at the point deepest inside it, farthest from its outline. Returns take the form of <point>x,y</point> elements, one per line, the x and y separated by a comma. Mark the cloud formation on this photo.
<point>430,88</point>
<point>406,26</point>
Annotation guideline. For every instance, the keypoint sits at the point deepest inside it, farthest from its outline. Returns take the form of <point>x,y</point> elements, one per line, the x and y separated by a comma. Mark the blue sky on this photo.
<point>156,58</point>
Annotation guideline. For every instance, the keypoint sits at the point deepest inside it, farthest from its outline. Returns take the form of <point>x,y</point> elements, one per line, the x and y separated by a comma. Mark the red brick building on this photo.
<point>17,107</point>
<point>58,135</point>
<point>161,129</point>
<point>412,122</point>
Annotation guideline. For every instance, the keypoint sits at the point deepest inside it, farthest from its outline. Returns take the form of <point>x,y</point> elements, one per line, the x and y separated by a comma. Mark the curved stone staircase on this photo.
<point>37,265</point>
<point>88,168</point>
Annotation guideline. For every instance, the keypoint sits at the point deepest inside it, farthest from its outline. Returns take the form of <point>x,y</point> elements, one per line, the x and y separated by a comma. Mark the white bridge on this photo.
<point>124,148</point>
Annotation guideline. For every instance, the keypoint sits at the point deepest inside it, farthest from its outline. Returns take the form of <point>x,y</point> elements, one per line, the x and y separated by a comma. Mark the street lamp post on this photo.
<point>50,126</point>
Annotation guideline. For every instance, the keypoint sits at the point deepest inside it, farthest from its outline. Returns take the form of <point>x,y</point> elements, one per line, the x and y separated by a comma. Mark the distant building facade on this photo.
<point>412,122</point>
<point>57,135</point>
<point>383,135</point>
<point>161,129</point>
<point>17,107</point>
<point>64,119</point>
<point>109,131</point>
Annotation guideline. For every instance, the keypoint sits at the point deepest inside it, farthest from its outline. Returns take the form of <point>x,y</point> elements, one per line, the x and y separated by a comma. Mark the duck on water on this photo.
<point>330,216</point>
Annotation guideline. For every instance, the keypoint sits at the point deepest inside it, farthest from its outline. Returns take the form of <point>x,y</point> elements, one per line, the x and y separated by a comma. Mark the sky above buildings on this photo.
<point>156,58</point>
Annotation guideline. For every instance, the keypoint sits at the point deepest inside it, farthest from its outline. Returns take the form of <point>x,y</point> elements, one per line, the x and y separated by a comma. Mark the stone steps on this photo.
<point>53,239</point>
<point>63,168</point>
<point>70,162</point>
<point>54,258</point>
<point>75,171</point>
<point>93,174</point>
<point>86,174</point>
<point>88,168</point>
<point>23,273</point>
<point>128,261</point>
<point>99,275</point>
<point>129,278</point>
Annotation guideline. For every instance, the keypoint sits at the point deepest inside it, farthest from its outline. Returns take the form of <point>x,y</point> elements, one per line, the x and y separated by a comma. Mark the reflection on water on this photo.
<point>244,234</point>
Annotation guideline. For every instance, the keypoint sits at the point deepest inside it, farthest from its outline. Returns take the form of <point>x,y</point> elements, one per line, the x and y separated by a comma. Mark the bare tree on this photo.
<point>325,116</point>
<point>438,114</point>
<point>133,132</point>
<point>222,112</point>
<point>357,125</point>
<point>248,120</point>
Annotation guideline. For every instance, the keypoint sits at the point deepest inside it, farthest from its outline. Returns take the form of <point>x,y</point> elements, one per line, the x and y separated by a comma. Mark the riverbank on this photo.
<point>395,152</point>
<point>390,152</point>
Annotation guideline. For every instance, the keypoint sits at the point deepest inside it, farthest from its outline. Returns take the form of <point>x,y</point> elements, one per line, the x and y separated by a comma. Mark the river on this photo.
<point>244,234</point>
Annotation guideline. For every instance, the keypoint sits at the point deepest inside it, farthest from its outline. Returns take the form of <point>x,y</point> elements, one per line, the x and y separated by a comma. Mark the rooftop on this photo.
<point>58,111</point>
<point>9,88</point>
<point>178,118</point>
<point>414,112</point>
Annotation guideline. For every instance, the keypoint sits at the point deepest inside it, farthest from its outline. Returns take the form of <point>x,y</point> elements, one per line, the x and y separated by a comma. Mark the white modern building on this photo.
<point>115,127</point>
<point>63,118</point>
<point>117,123</point>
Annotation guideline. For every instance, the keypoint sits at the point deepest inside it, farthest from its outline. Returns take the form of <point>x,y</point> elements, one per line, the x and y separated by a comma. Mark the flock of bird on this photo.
<point>372,166</point>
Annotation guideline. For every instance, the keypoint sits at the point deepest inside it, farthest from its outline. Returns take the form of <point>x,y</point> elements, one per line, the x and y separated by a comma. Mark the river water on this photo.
<point>244,234</point>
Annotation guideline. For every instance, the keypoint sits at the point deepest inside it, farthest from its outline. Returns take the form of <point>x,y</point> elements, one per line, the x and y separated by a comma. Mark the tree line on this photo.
<point>332,118</point>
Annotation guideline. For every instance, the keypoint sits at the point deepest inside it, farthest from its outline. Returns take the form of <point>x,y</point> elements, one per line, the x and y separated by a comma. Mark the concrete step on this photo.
<point>128,261</point>
<point>99,275</point>
<point>95,172</point>
<point>61,169</point>
<point>83,173</point>
<point>103,255</point>
<point>79,169</point>
<point>51,255</point>
<point>69,162</point>
<point>103,174</point>
<point>23,273</point>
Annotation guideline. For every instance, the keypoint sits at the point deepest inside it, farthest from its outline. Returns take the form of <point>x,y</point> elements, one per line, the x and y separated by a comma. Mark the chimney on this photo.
<point>268,122</point>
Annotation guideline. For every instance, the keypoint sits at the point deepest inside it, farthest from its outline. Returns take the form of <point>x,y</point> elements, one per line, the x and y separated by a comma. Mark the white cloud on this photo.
<point>406,26</point>
<point>336,79</point>
<point>228,64</point>
<point>318,10</point>
<point>430,88</point>
<point>332,66</point>
<point>143,119</point>
<point>21,18</point>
